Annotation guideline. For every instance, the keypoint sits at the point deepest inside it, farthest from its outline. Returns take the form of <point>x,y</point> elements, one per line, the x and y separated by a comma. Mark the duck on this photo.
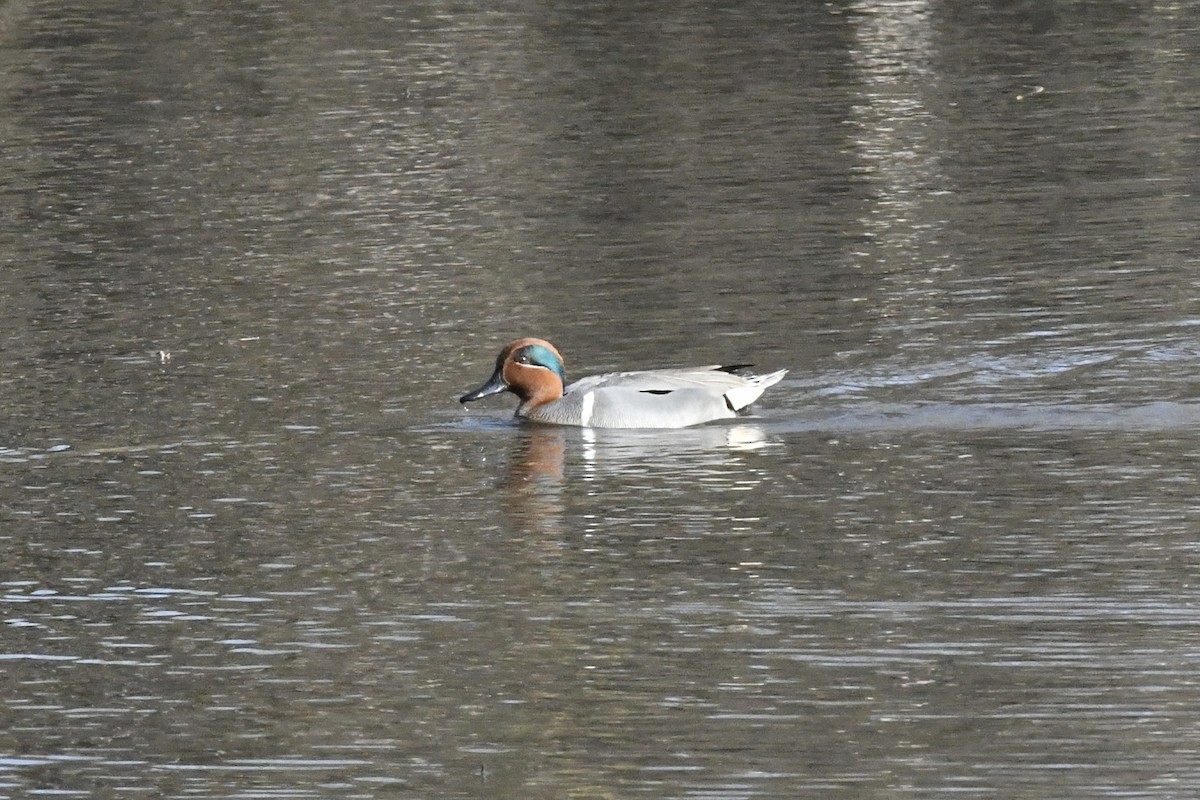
<point>534,371</point>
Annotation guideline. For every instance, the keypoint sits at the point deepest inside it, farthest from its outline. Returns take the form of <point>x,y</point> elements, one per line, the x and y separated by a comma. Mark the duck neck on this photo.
<point>535,393</point>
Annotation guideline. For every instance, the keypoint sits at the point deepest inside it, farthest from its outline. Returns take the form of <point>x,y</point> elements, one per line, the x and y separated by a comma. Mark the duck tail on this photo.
<point>742,396</point>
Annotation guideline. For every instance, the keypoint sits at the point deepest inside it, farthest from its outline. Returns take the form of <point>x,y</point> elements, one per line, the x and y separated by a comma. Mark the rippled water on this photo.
<point>253,547</point>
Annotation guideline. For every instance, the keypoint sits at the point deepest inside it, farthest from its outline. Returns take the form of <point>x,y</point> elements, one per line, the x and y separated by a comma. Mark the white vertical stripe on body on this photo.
<point>585,415</point>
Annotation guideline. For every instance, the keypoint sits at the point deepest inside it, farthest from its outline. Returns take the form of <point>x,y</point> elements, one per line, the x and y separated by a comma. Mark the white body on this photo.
<point>666,398</point>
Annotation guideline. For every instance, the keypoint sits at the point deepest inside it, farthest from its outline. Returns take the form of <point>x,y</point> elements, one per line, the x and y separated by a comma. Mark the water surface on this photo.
<point>254,547</point>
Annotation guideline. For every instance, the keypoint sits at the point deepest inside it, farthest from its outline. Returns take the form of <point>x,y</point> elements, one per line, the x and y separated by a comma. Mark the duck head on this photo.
<point>532,369</point>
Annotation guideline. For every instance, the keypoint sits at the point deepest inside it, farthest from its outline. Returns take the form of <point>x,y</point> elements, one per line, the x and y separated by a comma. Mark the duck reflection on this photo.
<point>614,450</point>
<point>550,465</point>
